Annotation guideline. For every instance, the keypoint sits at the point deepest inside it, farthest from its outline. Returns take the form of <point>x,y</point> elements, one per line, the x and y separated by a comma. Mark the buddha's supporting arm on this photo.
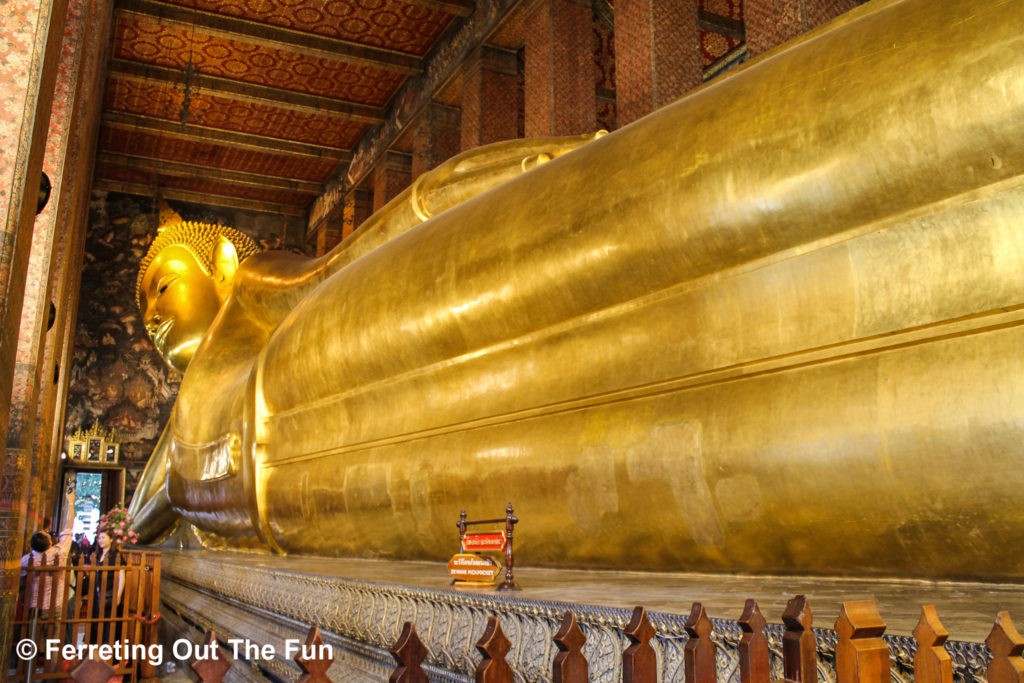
<point>150,507</point>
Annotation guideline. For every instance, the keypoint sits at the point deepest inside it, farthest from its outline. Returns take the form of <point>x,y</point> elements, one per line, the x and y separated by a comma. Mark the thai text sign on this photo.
<point>483,541</point>
<point>473,568</point>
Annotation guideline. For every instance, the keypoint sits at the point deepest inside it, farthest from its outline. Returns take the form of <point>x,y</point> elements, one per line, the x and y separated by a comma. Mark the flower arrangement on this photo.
<point>117,524</point>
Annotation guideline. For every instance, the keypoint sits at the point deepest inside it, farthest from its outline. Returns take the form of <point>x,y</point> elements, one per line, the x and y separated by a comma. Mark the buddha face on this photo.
<point>179,302</point>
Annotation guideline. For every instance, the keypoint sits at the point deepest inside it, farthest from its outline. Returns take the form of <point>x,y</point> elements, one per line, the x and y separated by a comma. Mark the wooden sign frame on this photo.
<point>510,520</point>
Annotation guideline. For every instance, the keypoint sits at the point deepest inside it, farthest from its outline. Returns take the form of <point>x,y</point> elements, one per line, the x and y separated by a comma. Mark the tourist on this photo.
<point>43,596</point>
<point>107,592</point>
<point>45,553</point>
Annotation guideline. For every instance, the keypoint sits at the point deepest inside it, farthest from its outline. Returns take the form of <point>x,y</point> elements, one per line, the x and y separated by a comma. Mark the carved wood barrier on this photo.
<point>862,656</point>
<point>61,604</point>
<point>799,648</point>
<point>570,666</point>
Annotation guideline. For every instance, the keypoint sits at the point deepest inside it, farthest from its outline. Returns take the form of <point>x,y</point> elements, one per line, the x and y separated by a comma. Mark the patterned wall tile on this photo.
<point>714,46</point>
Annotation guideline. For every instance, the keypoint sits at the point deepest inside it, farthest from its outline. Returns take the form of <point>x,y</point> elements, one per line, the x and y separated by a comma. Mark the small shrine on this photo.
<point>95,446</point>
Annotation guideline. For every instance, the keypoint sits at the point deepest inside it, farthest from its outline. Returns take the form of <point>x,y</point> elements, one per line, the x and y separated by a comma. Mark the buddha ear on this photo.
<point>225,265</point>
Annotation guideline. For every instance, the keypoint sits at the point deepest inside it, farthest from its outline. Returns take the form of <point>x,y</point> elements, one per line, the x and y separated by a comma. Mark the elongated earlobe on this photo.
<point>225,265</point>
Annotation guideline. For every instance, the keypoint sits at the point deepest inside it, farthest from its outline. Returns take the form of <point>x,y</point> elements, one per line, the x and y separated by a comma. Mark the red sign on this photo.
<point>478,541</point>
<point>473,569</point>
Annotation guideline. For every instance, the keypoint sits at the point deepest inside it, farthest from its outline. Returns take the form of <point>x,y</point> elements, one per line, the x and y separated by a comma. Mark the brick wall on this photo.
<point>489,88</point>
<point>658,58</point>
<point>772,22</point>
<point>560,80</point>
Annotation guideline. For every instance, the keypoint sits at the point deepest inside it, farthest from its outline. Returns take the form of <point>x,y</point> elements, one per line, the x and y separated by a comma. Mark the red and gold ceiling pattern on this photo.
<point>144,40</point>
<point>165,101</point>
<point>278,87</point>
<point>390,24</point>
<point>150,145</point>
<point>199,185</point>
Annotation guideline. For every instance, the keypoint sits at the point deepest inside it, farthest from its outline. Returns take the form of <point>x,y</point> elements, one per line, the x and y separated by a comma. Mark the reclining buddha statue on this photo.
<point>775,326</point>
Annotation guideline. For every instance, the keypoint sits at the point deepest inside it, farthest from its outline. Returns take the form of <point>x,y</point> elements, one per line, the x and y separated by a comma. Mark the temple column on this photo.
<point>357,208</point>
<point>561,77</point>
<point>391,175</point>
<point>436,137</point>
<point>490,83</point>
<point>773,22</point>
<point>657,54</point>
<point>32,34</point>
<point>73,113</point>
<point>328,233</point>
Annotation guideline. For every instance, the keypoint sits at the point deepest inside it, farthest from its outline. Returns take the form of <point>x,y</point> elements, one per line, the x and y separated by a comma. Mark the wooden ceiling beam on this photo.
<point>141,190</point>
<point>247,141</point>
<point>275,37</point>
<point>249,92</point>
<point>177,169</point>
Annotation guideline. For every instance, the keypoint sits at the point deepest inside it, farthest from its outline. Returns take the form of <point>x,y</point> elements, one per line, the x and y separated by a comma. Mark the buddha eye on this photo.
<point>165,283</point>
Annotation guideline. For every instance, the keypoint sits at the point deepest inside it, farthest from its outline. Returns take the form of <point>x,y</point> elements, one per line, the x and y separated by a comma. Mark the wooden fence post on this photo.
<point>570,666</point>
<point>216,664</point>
<point>493,645</point>
<point>315,667</point>
<point>149,612</point>
<point>861,654</point>
<point>699,651</point>
<point>1006,646</point>
<point>754,661</point>
<point>409,651</point>
<point>932,664</point>
<point>799,647</point>
<point>639,662</point>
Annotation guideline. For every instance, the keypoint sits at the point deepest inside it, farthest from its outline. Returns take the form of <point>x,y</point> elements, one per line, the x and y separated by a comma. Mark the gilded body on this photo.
<point>775,326</point>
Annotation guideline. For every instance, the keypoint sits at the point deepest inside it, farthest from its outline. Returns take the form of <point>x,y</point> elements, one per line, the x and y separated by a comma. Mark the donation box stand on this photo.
<point>469,568</point>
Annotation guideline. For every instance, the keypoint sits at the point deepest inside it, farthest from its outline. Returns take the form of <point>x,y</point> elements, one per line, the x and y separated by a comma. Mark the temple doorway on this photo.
<point>96,491</point>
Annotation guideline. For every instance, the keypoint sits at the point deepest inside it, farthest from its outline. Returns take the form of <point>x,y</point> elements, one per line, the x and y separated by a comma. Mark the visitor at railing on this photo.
<point>39,593</point>
<point>107,592</point>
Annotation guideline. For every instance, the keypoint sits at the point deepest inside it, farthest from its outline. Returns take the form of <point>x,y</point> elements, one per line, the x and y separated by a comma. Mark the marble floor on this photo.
<point>967,610</point>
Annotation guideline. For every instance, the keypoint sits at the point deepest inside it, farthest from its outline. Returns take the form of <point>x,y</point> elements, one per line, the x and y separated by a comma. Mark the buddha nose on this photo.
<point>151,320</point>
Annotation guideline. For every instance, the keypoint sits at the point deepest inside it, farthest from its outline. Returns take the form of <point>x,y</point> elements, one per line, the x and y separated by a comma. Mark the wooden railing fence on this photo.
<point>69,622</point>
<point>861,654</point>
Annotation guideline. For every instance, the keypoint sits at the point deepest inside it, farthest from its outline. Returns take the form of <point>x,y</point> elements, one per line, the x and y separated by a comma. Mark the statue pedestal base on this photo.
<point>360,606</point>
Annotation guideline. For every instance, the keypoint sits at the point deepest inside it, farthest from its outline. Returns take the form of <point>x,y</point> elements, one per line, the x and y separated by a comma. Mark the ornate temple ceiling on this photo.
<point>254,103</point>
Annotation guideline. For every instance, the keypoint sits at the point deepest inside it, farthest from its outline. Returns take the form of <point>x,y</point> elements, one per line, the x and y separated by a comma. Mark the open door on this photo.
<point>96,491</point>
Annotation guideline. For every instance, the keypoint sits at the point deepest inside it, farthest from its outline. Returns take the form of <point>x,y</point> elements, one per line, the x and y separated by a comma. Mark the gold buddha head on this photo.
<point>183,281</point>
